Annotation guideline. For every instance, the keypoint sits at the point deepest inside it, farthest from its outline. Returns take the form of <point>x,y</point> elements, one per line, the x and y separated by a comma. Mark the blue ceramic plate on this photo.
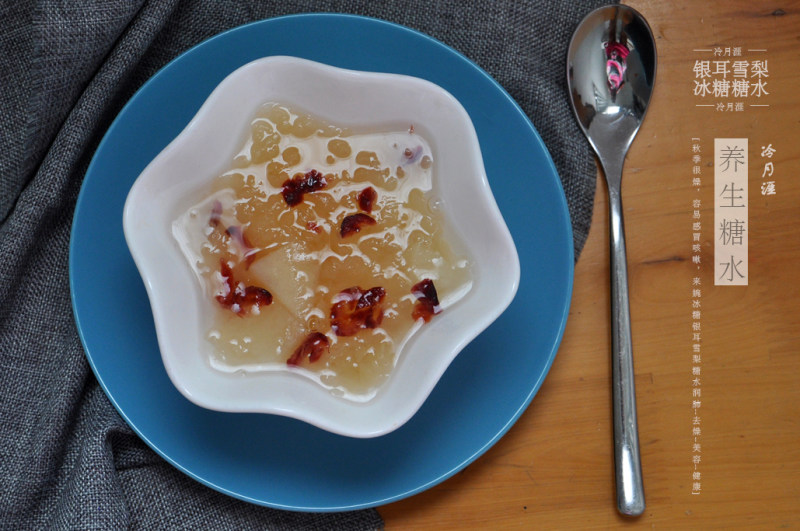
<point>282,462</point>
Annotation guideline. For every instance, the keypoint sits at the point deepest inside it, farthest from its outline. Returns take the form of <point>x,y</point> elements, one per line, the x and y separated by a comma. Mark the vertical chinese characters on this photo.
<point>695,309</point>
<point>767,175</point>
<point>730,211</point>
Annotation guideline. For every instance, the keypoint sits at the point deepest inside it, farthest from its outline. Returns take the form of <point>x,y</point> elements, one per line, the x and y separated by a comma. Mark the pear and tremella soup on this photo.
<point>322,251</point>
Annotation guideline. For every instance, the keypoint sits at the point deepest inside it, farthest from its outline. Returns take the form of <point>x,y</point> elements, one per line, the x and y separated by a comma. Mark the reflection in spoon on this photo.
<point>616,53</point>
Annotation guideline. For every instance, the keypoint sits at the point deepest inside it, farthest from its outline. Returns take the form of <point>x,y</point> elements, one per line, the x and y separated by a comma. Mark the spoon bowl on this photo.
<point>611,68</point>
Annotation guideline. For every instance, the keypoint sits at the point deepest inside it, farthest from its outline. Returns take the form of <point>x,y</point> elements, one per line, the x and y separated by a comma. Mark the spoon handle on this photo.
<point>630,488</point>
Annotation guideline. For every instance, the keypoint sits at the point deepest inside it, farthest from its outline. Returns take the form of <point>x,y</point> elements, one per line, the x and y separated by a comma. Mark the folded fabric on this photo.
<point>67,459</point>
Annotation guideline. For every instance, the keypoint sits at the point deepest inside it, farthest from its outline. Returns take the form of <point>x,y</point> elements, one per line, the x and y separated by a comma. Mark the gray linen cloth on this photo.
<point>67,460</point>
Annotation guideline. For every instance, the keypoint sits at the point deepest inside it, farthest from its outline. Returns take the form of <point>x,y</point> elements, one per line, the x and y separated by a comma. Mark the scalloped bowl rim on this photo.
<point>349,98</point>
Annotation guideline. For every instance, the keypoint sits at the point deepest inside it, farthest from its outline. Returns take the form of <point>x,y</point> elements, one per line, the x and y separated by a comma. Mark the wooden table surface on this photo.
<point>554,469</point>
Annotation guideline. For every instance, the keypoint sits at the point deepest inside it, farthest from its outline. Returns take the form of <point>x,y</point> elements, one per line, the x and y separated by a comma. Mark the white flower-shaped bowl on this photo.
<point>204,149</point>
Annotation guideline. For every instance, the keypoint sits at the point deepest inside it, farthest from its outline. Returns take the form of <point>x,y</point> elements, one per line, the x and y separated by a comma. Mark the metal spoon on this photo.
<point>611,68</point>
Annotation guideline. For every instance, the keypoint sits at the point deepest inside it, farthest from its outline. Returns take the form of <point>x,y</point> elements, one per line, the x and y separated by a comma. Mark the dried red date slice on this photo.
<point>427,300</point>
<point>366,199</point>
<point>312,348</point>
<point>236,233</point>
<point>352,224</point>
<point>216,214</point>
<point>254,296</point>
<point>369,307</point>
<point>354,310</point>
<point>238,298</point>
<point>295,188</point>
<point>412,155</point>
<point>226,299</point>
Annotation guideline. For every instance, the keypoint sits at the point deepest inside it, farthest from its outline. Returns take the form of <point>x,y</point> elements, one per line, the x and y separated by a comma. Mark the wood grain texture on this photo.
<point>554,469</point>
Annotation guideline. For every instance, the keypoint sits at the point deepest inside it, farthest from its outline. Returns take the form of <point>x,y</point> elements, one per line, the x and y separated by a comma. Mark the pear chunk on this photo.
<point>291,276</point>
